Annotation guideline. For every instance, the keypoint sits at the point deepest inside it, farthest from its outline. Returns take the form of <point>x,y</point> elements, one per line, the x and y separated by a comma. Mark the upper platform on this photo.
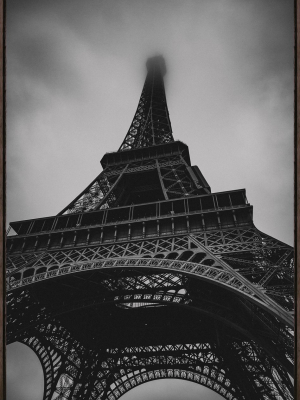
<point>144,153</point>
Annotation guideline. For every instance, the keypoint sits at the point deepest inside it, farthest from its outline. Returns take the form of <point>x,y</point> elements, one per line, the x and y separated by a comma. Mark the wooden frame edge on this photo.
<point>297,192</point>
<point>2,204</point>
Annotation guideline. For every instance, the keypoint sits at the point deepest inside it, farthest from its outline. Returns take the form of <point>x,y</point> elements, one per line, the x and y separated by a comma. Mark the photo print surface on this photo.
<point>166,271</point>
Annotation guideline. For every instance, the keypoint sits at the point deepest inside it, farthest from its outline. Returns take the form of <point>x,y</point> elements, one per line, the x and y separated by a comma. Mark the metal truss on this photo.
<point>115,371</point>
<point>193,290</point>
<point>108,380</point>
<point>72,372</point>
<point>150,126</point>
<point>261,259</point>
<point>151,123</point>
<point>229,278</point>
<point>163,281</point>
<point>211,268</point>
<point>175,179</point>
<point>231,243</point>
<point>94,195</point>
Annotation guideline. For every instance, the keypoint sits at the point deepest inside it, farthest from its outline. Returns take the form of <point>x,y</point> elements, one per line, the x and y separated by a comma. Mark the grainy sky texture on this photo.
<point>75,71</point>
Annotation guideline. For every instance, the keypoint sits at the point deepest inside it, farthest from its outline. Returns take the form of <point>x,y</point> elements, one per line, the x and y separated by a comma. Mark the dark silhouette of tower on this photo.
<point>146,274</point>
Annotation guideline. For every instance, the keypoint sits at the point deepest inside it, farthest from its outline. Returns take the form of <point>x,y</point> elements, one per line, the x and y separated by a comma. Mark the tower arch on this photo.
<point>204,379</point>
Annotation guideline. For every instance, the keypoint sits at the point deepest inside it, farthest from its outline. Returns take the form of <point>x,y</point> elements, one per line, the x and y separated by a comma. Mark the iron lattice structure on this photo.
<point>148,275</point>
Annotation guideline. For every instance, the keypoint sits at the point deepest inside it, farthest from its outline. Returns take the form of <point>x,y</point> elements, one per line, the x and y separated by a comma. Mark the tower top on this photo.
<point>151,123</point>
<point>156,63</point>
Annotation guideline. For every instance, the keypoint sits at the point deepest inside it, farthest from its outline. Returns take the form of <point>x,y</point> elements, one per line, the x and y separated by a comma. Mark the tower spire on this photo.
<point>151,123</point>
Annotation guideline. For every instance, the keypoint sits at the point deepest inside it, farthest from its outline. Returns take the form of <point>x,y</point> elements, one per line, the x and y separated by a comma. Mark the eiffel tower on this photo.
<point>147,275</point>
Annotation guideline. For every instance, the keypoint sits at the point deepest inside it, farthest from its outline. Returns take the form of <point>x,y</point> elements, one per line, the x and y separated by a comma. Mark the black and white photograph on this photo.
<point>149,199</point>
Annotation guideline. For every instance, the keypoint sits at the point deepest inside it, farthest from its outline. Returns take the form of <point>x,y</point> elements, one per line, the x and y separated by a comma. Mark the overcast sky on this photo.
<point>75,71</point>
